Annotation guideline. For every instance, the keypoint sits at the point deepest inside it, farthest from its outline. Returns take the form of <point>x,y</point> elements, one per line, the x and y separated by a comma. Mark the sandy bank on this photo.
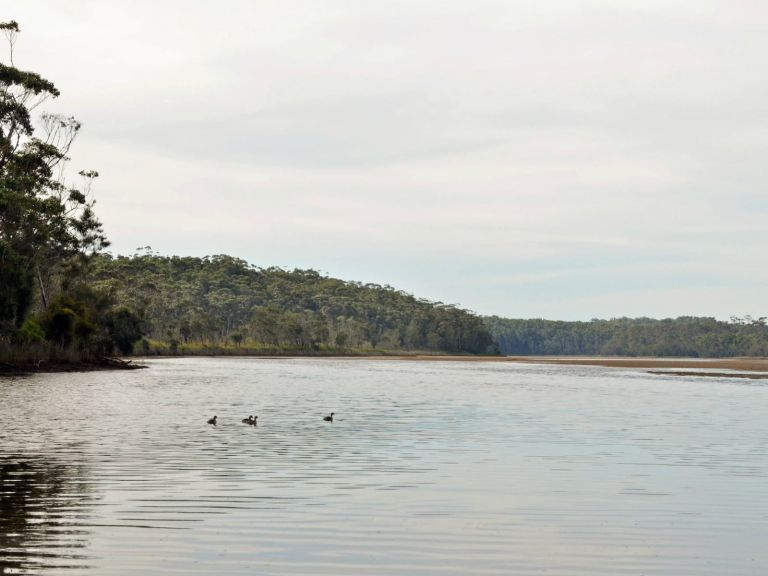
<point>742,364</point>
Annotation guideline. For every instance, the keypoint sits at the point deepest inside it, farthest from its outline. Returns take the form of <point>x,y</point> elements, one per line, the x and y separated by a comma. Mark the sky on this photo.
<point>562,159</point>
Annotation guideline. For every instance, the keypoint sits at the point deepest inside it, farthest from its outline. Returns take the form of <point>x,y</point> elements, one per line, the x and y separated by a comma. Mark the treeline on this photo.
<point>684,336</point>
<point>221,302</point>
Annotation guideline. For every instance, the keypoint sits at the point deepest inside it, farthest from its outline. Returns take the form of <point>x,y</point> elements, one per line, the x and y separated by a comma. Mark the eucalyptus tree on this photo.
<point>48,229</point>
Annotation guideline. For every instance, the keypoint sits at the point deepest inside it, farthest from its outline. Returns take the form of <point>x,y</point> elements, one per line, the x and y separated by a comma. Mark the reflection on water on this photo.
<point>42,501</point>
<point>428,468</point>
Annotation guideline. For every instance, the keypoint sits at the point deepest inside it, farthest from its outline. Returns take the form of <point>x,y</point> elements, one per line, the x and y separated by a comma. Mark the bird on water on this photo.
<point>248,420</point>
<point>329,418</point>
<point>212,420</point>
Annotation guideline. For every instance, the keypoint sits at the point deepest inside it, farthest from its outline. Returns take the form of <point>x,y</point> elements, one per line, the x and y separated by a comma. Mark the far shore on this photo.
<point>742,363</point>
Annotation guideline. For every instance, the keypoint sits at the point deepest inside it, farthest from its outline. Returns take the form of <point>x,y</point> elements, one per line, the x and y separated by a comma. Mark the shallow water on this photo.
<point>428,468</point>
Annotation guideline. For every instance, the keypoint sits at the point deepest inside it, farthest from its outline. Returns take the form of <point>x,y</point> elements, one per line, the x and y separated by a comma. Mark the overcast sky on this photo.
<point>564,159</point>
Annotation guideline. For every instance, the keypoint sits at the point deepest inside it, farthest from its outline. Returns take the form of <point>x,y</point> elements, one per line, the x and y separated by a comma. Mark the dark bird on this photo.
<point>248,420</point>
<point>329,418</point>
<point>253,422</point>
<point>212,420</point>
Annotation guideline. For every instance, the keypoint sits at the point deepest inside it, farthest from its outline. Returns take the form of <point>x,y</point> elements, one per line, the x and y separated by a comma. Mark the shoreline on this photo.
<point>752,368</point>
<point>742,367</point>
<point>744,363</point>
<point>45,367</point>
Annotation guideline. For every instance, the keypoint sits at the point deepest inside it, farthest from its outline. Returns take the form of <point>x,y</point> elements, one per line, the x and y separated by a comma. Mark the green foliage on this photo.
<point>48,229</point>
<point>59,324</point>
<point>16,287</point>
<point>216,300</point>
<point>684,336</point>
<point>31,332</point>
<point>125,328</point>
<point>86,319</point>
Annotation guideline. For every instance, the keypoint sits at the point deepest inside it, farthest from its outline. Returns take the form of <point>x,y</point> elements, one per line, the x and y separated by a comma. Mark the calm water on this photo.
<point>429,468</point>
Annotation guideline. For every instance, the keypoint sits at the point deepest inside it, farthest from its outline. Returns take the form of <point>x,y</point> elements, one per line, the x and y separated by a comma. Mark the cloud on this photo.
<point>512,157</point>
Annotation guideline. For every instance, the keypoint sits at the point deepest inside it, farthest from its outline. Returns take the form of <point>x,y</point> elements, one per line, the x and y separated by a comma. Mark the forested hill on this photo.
<point>217,302</point>
<point>684,336</point>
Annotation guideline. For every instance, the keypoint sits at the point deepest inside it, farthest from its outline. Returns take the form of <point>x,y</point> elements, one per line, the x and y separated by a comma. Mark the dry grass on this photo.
<point>35,353</point>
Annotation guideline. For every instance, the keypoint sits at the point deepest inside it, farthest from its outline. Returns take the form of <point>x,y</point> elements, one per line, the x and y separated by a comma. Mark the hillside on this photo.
<point>221,303</point>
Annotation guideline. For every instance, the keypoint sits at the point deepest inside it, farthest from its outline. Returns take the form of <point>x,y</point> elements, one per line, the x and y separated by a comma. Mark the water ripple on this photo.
<point>428,468</point>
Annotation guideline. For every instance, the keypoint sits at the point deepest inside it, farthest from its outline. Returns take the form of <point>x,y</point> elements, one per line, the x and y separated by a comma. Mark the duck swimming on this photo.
<point>212,420</point>
<point>329,418</point>
<point>248,420</point>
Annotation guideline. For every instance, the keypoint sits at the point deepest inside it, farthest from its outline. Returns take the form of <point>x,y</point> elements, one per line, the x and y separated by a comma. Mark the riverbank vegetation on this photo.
<point>49,235</point>
<point>683,337</point>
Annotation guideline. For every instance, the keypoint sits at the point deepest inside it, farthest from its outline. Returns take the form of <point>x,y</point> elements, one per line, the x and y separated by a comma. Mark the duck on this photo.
<point>248,420</point>
<point>253,422</point>
<point>329,418</point>
<point>212,420</point>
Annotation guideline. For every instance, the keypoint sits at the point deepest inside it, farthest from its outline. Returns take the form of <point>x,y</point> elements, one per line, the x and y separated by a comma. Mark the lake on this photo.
<point>428,468</point>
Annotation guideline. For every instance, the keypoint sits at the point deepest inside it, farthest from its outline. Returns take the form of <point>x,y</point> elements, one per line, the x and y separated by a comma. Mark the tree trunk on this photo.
<point>43,295</point>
